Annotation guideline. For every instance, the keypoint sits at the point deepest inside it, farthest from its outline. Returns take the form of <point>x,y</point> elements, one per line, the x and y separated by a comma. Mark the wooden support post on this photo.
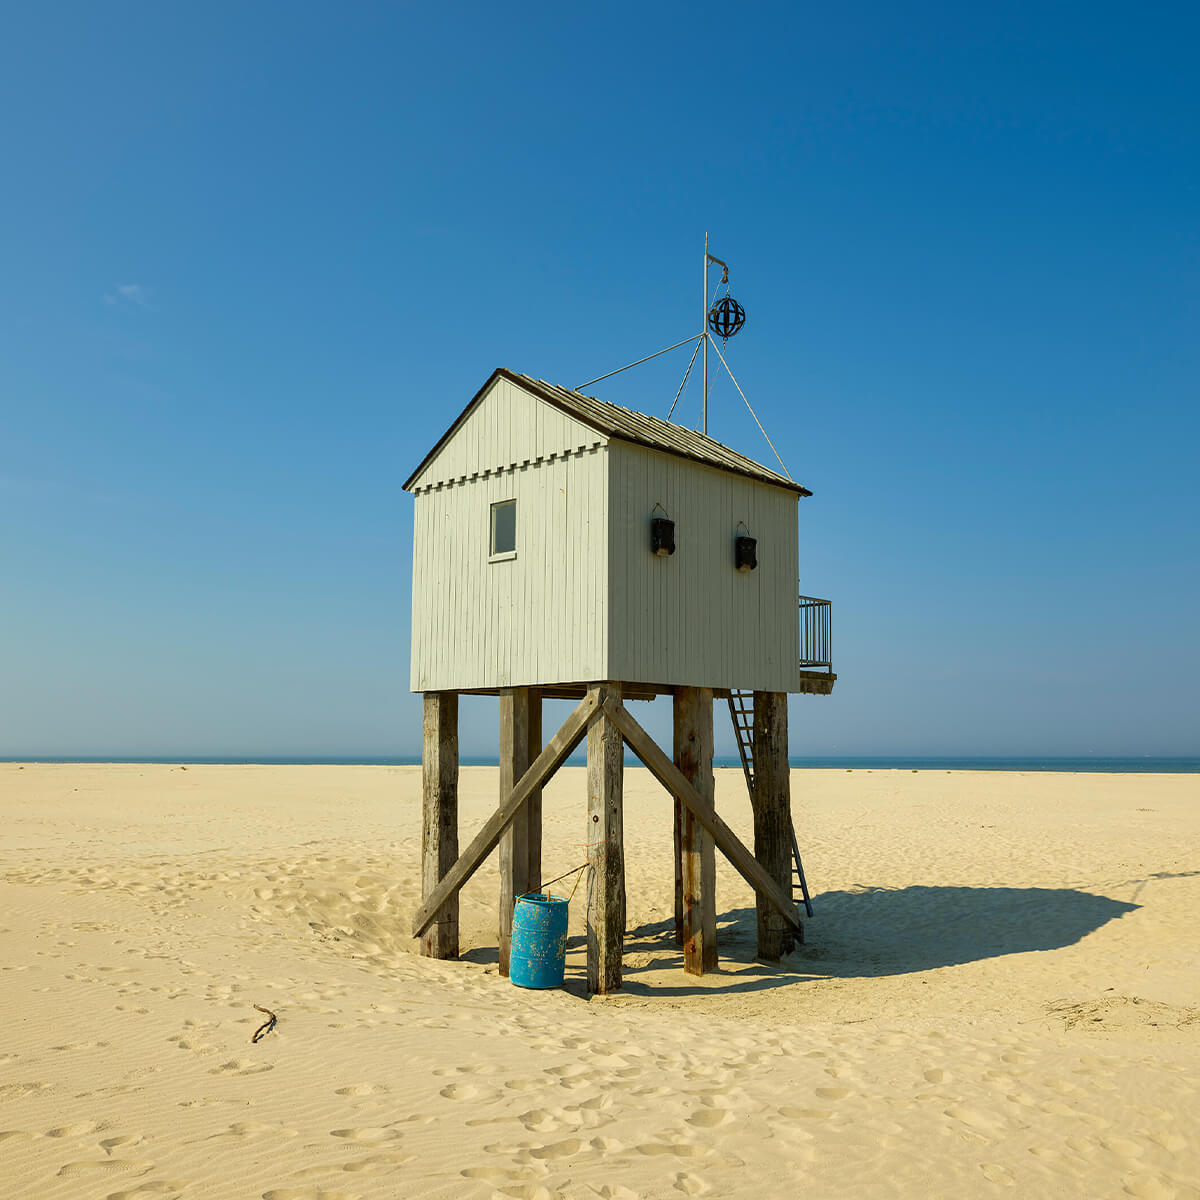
<point>606,850</point>
<point>693,708</point>
<point>439,823</point>
<point>514,842</point>
<point>534,804</point>
<point>772,817</point>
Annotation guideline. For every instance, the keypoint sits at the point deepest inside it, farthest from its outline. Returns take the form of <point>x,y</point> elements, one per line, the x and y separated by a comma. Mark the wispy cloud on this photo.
<point>129,295</point>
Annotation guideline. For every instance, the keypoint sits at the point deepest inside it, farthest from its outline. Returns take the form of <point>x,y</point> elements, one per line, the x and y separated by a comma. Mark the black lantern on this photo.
<point>662,534</point>
<point>745,550</point>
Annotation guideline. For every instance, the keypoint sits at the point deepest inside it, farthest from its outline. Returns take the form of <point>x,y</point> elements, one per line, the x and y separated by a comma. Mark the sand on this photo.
<point>998,995</point>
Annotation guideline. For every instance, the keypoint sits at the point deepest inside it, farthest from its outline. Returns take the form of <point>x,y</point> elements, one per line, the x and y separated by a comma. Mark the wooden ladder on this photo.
<point>741,711</point>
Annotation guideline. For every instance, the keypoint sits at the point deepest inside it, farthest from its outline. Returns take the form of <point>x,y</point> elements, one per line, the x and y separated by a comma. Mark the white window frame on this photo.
<point>495,555</point>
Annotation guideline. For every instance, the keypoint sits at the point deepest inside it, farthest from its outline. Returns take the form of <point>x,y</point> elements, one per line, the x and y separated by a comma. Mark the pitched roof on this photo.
<point>628,426</point>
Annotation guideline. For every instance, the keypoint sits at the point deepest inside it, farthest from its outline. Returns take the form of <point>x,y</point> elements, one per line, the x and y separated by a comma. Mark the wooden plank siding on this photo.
<point>538,618</point>
<point>507,427</point>
<point>693,619</point>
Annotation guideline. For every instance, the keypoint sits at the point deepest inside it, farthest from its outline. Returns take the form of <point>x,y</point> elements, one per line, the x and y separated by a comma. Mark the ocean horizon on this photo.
<point>1100,764</point>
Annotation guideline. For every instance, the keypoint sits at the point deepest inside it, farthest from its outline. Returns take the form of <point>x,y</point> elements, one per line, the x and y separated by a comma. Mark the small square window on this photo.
<point>504,528</point>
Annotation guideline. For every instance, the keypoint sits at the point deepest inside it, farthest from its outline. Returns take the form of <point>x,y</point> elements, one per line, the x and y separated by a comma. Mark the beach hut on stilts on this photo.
<point>569,548</point>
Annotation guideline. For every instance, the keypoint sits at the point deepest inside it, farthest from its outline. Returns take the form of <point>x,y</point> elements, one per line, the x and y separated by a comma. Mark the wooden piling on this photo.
<point>606,852</point>
<point>679,808</point>
<point>439,824</point>
<point>772,817</point>
<point>693,712</point>
<point>534,804</point>
<point>515,841</point>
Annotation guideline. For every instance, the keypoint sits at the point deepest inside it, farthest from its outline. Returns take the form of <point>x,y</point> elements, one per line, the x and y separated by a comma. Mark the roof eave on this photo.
<point>462,416</point>
<point>779,482</point>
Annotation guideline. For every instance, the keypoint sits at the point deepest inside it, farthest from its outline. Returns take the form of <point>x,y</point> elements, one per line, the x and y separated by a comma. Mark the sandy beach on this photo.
<point>998,994</point>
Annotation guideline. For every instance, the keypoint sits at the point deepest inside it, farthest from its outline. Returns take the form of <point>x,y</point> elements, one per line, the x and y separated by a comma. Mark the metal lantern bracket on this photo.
<point>662,533</point>
<point>745,549</point>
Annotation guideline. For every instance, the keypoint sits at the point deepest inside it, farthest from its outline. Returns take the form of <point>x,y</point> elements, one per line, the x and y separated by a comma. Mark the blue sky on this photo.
<point>256,257</point>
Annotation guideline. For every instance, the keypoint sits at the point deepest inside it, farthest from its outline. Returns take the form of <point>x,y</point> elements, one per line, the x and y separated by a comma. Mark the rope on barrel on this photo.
<point>580,869</point>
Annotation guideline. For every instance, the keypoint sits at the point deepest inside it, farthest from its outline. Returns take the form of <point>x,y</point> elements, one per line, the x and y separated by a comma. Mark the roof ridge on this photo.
<point>628,425</point>
<point>616,420</point>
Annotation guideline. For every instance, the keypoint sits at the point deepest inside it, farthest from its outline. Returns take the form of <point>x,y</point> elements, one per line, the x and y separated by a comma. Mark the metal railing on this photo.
<point>814,633</point>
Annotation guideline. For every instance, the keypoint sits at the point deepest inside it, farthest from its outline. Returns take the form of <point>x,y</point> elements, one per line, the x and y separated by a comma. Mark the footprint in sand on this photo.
<point>569,1071</point>
<point>1150,1187</point>
<point>460,1091</point>
<point>500,1175</point>
<point>564,1149</point>
<point>538,1120</point>
<point>975,1120</point>
<point>150,1189</point>
<point>361,1089</point>
<point>679,1149</point>
<point>805,1114</point>
<point>245,1129</point>
<point>1122,1147</point>
<point>995,1173</point>
<point>689,1185</point>
<point>832,1093</point>
<point>378,1162</point>
<point>103,1166</point>
<point>1056,1108</point>
<point>709,1118</point>
<point>371,1136</point>
<point>241,1066</point>
<point>108,1145</point>
<point>77,1130</point>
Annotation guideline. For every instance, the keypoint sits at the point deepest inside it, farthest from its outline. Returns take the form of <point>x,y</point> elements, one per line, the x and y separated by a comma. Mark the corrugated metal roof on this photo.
<point>629,426</point>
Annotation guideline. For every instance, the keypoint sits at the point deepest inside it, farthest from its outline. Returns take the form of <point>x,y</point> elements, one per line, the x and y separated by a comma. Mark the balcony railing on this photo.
<point>814,633</point>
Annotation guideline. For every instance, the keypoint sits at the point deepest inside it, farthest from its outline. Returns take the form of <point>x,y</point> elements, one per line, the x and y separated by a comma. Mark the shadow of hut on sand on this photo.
<point>874,932</point>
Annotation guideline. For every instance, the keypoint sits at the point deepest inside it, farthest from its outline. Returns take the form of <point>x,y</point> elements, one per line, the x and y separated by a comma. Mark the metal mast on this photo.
<point>709,261</point>
<point>704,329</point>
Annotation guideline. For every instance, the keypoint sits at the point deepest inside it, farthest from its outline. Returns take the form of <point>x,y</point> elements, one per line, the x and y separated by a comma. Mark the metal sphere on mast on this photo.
<point>726,317</point>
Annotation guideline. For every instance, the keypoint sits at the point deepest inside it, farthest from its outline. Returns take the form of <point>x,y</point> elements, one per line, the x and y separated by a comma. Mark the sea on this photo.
<point>1144,765</point>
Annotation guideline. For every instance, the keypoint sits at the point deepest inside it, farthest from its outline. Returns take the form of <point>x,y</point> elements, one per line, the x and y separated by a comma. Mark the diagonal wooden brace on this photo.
<point>669,775</point>
<point>542,767</point>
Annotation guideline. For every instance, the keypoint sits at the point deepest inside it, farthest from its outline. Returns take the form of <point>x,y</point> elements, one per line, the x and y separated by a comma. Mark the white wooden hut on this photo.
<point>568,547</point>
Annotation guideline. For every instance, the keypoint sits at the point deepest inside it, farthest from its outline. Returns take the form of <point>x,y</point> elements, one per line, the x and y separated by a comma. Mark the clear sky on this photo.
<point>256,257</point>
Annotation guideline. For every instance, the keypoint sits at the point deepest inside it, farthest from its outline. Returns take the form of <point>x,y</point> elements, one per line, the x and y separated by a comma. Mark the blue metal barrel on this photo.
<point>539,941</point>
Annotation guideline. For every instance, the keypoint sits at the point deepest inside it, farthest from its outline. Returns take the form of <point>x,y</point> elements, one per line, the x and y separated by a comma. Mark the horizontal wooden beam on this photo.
<point>669,775</point>
<point>815,683</point>
<point>542,767</point>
